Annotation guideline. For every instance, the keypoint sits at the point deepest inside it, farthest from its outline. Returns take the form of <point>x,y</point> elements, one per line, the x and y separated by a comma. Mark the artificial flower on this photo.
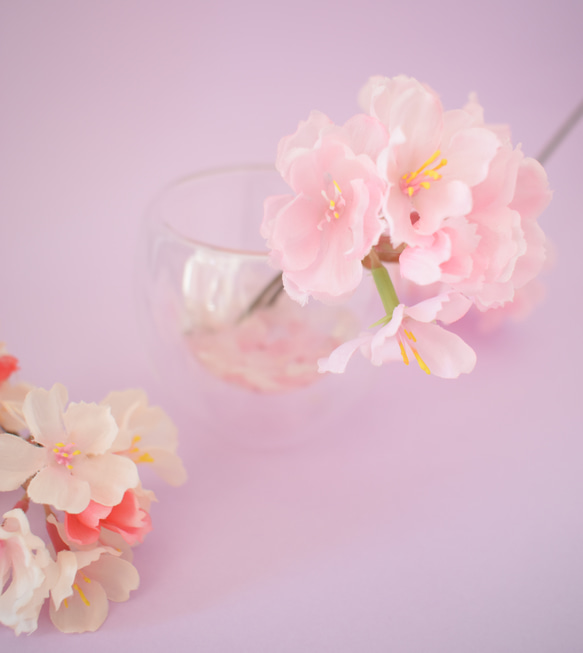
<point>126,518</point>
<point>70,461</point>
<point>319,236</point>
<point>433,159</point>
<point>24,562</point>
<point>146,434</point>
<point>85,583</point>
<point>412,334</point>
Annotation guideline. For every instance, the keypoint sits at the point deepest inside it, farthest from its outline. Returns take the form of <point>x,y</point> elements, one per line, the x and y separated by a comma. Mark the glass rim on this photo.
<point>186,180</point>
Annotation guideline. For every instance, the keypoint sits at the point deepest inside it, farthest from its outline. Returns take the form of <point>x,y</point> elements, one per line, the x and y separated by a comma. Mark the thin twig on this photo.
<point>559,136</point>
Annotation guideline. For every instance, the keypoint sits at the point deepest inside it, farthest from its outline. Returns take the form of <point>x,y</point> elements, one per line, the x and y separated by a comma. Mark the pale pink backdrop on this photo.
<point>441,517</point>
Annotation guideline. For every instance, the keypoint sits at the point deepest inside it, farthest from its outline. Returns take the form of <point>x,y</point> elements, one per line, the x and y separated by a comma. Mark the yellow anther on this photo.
<point>65,603</point>
<point>65,454</point>
<point>410,335</point>
<point>136,438</point>
<point>404,353</point>
<point>410,191</point>
<point>83,597</point>
<point>425,184</point>
<point>337,186</point>
<point>145,458</point>
<point>420,361</point>
<point>332,204</point>
<point>69,466</point>
<point>60,444</point>
<point>55,450</point>
<point>76,453</point>
<point>336,214</point>
<point>85,578</point>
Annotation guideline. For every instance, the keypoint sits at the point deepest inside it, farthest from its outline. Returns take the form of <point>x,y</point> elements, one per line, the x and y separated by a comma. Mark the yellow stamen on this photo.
<point>145,458</point>
<point>76,453</point>
<point>83,597</point>
<point>421,362</point>
<point>65,603</point>
<point>85,578</point>
<point>425,184</point>
<point>136,438</point>
<point>410,191</point>
<point>55,450</point>
<point>404,353</point>
<point>410,335</point>
<point>60,444</point>
<point>336,214</point>
<point>337,186</point>
<point>69,466</point>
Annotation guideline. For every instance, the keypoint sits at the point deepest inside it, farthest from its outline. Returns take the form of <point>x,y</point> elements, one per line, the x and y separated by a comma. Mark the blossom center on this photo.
<point>335,202</point>
<point>64,454</point>
<point>407,337</point>
<point>135,454</point>
<point>412,182</point>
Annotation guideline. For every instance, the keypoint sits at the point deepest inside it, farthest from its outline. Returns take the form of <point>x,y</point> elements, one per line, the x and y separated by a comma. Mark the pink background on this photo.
<point>439,517</point>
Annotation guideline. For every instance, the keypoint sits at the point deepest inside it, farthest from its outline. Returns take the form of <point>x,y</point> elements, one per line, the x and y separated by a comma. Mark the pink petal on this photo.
<point>338,359</point>
<point>443,199</point>
<point>469,154</point>
<point>445,353</point>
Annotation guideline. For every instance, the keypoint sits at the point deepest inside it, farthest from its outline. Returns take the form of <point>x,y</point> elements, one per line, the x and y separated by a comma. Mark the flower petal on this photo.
<point>19,460</point>
<point>91,427</point>
<point>56,486</point>
<point>108,476</point>
<point>43,411</point>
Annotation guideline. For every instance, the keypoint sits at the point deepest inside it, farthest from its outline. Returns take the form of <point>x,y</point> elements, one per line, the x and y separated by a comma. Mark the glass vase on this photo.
<point>222,331</point>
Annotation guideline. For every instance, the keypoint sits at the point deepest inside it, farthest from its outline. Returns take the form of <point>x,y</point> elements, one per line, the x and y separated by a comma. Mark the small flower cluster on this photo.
<point>437,199</point>
<point>79,462</point>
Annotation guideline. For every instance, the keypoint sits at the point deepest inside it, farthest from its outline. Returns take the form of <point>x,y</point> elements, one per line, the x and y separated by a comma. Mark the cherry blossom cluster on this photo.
<point>438,205</point>
<point>79,462</point>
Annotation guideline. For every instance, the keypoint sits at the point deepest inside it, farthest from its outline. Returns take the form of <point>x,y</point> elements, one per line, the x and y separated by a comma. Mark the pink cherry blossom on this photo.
<point>70,460</point>
<point>411,334</point>
<point>24,562</point>
<point>126,518</point>
<point>319,236</point>
<point>85,583</point>
<point>498,247</point>
<point>433,158</point>
<point>146,434</point>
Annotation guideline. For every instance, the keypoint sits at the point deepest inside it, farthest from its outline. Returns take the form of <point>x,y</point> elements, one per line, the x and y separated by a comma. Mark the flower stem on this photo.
<point>384,285</point>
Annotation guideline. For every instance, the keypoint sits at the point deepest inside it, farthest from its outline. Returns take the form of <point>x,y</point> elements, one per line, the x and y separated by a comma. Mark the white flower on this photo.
<point>24,562</point>
<point>146,434</point>
<point>74,463</point>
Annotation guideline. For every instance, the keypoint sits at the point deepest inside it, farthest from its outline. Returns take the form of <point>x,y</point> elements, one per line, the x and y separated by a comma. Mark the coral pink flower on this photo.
<point>24,562</point>
<point>85,583</point>
<point>411,334</point>
<point>319,236</point>
<point>11,396</point>
<point>433,158</point>
<point>146,434</point>
<point>73,464</point>
<point>126,518</point>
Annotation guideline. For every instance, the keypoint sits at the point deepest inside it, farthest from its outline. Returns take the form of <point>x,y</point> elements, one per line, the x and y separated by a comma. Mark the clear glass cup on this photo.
<point>221,329</point>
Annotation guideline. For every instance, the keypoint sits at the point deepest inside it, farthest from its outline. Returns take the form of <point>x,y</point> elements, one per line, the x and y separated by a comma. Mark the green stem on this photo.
<point>384,285</point>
